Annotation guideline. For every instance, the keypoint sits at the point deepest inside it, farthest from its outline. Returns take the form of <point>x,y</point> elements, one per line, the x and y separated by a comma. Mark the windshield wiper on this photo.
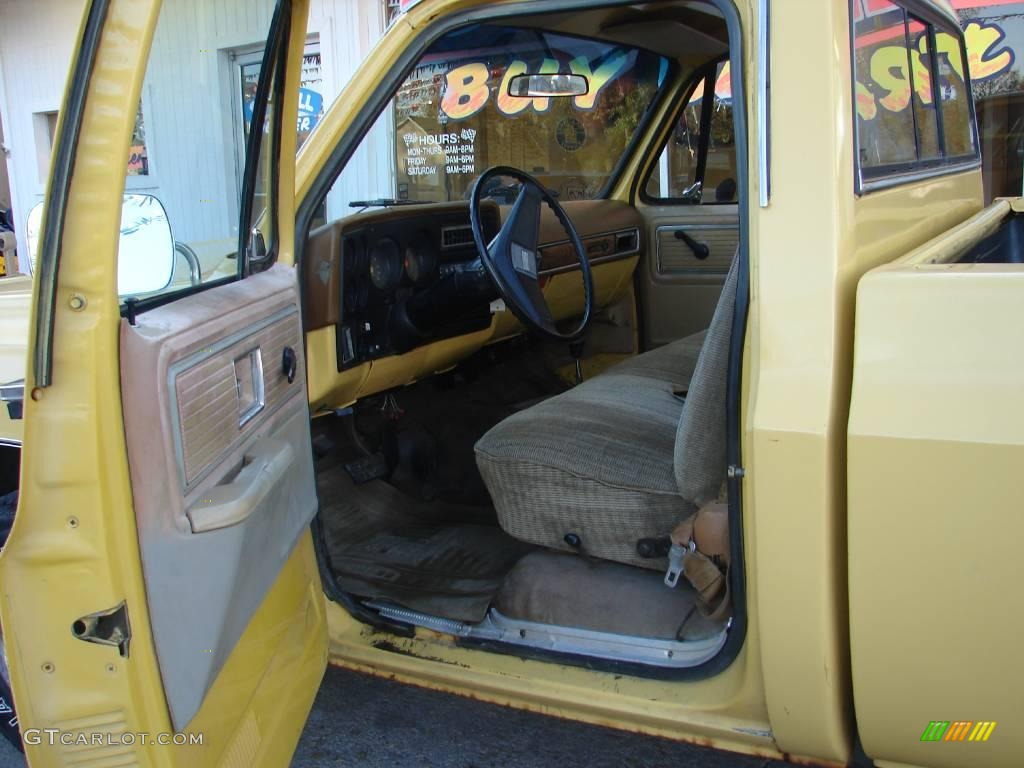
<point>384,202</point>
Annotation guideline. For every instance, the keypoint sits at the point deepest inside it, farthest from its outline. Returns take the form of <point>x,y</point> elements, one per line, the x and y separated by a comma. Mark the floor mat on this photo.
<point>422,555</point>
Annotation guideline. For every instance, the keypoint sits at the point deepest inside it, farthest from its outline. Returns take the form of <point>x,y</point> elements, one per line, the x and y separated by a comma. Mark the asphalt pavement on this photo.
<point>359,721</point>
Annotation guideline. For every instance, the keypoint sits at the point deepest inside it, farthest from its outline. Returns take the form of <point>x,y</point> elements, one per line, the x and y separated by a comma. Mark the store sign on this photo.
<point>468,87</point>
<point>311,105</point>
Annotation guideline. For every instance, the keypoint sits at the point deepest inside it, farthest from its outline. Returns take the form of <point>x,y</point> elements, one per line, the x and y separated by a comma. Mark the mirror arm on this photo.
<point>194,269</point>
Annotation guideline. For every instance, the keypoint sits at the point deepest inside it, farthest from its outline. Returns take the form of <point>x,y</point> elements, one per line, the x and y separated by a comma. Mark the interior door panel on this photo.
<point>679,289</point>
<point>221,469</point>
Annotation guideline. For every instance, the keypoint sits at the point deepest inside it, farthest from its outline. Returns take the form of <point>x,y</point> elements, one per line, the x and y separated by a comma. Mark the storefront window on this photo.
<point>311,99</point>
<point>138,158</point>
<point>995,45</point>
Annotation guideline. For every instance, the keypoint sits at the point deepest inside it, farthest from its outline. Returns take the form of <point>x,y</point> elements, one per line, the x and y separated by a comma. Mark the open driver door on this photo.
<point>160,578</point>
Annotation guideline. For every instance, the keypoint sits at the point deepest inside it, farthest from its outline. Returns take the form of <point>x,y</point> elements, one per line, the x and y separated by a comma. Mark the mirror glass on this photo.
<point>145,254</point>
<point>33,228</point>
<point>145,257</point>
<point>529,86</point>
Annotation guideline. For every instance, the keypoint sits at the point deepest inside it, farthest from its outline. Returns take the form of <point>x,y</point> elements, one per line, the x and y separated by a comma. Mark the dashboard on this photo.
<point>395,279</point>
<point>398,278</point>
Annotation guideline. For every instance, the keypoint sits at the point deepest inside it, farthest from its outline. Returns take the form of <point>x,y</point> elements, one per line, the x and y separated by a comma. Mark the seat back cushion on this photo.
<point>701,436</point>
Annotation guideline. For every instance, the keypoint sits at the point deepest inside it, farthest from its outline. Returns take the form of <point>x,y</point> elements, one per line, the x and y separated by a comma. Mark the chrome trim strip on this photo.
<point>4,442</point>
<point>255,357</point>
<point>896,180</point>
<point>763,92</point>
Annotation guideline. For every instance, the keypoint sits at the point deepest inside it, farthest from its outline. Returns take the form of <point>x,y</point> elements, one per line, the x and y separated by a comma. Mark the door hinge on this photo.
<point>109,627</point>
<point>736,472</point>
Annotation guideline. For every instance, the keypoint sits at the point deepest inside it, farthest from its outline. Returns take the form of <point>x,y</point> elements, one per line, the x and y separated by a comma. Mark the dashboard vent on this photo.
<point>456,237</point>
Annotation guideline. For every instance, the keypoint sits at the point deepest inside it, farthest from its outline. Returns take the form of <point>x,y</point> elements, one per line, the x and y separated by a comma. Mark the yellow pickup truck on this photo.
<point>599,358</point>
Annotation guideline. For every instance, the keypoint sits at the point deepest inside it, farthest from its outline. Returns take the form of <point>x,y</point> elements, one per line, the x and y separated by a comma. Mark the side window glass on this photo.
<point>698,163</point>
<point>180,221</point>
<point>925,118</point>
<point>956,104</point>
<point>720,167</point>
<point>912,104</point>
<point>885,123</point>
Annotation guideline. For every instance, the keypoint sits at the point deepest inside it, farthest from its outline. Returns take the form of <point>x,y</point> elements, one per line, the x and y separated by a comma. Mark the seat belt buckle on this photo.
<point>675,562</point>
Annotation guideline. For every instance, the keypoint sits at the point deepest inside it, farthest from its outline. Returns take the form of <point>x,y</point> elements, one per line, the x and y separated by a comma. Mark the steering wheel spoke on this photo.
<point>512,258</point>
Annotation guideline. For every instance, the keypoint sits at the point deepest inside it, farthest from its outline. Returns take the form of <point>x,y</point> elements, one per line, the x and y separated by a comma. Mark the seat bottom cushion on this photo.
<point>595,464</point>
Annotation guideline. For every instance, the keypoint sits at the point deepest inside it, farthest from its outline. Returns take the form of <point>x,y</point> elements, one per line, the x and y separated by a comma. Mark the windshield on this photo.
<point>454,117</point>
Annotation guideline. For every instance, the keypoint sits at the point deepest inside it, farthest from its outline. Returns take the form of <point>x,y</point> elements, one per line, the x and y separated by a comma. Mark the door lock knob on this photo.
<point>289,363</point>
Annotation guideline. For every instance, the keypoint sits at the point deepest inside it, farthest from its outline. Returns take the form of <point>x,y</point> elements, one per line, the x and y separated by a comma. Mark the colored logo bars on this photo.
<point>958,730</point>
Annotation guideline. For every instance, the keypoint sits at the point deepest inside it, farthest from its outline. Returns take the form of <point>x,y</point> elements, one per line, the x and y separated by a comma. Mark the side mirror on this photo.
<point>145,254</point>
<point>145,257</point>
<point>535,86</point>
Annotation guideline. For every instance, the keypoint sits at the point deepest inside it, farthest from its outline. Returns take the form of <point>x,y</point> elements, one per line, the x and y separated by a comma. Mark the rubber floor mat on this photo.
<point>422,555</point>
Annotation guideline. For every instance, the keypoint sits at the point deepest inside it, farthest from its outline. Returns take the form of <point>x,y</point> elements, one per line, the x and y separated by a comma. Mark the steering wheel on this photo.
<point>511,258</point>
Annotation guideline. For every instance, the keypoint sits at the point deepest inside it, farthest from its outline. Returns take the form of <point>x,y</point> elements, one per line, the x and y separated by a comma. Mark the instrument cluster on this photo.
<point>389,258</point>
<point>416,263</point>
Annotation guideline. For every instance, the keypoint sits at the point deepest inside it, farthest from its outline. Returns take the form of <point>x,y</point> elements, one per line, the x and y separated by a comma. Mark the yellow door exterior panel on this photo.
<point>936,441</point>
<point>74,549</point>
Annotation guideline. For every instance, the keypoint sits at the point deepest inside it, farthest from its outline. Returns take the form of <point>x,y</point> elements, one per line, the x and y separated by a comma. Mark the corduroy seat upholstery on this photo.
<point>620,457</point>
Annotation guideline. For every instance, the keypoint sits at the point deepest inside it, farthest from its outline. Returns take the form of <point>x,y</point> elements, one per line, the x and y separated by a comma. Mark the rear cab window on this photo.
<point>913,109</point>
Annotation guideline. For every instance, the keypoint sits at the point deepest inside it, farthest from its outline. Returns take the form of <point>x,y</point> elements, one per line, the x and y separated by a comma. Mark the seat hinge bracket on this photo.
<point>735,472</point>
<point>109,627</point>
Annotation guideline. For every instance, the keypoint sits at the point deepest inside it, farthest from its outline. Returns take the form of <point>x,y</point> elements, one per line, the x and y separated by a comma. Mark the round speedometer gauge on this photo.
<point>386,264</point>
<point>420,260</point>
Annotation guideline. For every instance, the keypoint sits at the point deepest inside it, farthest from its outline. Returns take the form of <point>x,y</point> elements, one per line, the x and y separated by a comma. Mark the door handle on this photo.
<point>265,465</point>
<point>700,250</point>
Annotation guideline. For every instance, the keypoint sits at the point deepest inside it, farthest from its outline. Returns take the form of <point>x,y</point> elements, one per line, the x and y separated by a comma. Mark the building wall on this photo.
<point>36,40</point>
<point>5,184</point>
<point>190,102</point>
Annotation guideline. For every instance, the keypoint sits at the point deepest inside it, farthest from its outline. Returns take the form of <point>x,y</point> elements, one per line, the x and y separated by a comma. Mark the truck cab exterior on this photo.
<point>170,571</point>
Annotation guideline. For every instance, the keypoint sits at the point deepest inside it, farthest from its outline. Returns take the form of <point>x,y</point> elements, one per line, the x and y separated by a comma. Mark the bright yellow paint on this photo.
<point>74,547</point>
<point>935,451</point>
<point>724,710</point>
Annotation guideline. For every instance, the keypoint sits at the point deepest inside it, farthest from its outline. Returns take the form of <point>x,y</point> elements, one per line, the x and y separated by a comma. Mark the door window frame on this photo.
<point>344,147</point>
<point>706,73</point>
